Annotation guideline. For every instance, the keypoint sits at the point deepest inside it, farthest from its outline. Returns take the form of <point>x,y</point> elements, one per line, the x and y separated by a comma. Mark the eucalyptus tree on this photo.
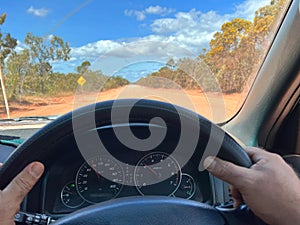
<point>44,51</point>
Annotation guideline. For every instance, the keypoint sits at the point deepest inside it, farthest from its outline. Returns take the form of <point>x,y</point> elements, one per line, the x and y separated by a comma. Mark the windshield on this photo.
<point>57,56</point>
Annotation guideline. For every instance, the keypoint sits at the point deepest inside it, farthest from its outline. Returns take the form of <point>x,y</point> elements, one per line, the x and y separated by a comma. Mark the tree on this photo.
<point>236,50</point>
<point>17,67</point>
<point>115,82</point>
<point>83,68</point>
<point>266,20</point>
<point>43,51</point>
<point>196,74</point>
<point>227,41</point>
<point>233,54</point>
<point>171,63</point>
<point>95,80</point>
<point>7,44</point>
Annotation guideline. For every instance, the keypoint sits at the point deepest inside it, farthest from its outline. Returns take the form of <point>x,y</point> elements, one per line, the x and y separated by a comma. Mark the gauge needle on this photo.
<point>150,168</point>
<point>97,173</point>
<point>98,176</point>
<point>69,192</point>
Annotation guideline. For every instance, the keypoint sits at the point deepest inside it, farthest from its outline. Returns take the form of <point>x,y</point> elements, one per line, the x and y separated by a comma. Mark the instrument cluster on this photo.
<point>103,178</point>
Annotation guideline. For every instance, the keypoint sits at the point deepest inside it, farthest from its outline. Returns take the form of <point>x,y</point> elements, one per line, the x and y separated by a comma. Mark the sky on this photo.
<point>127,38</point>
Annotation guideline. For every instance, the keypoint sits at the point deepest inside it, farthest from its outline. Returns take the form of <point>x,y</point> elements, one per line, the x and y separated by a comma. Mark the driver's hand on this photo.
<point>269,187</point>
<point>12,196</point>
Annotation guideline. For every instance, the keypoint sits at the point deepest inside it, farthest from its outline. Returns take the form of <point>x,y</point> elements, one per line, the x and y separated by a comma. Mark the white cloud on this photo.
<point>152,47</point>
<point>41,12</point>
<point>72,59</point>
<point>189,22</point>
<point>192,30</point>
<point>148,47</point>
<point>154,10</point>
<point>140,15</point>
<point>93,50</point>
<point>247,9</point>
<point>158,10</point>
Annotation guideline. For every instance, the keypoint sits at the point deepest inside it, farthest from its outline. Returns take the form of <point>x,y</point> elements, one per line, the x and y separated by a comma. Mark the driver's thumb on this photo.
<point>23,183</point>
<point>225,170</point>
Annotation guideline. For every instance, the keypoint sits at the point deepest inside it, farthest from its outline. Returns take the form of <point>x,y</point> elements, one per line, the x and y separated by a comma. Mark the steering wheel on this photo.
<point>137,210</point>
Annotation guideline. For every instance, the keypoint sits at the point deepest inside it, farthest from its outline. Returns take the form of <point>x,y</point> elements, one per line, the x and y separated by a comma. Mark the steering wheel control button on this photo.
<point>33,219</point>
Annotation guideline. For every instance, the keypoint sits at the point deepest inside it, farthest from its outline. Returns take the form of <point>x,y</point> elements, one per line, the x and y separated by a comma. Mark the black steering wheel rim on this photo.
<point>38,147</point>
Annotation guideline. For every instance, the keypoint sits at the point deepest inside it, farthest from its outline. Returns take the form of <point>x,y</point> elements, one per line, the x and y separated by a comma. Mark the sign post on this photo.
<point>4,94</point>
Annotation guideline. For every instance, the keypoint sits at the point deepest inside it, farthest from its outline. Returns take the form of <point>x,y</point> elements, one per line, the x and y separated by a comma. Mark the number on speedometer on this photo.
<point>99,179</point>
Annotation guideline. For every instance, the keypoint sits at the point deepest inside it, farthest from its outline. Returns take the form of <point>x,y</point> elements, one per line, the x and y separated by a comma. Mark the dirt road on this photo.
<point>211,105</point>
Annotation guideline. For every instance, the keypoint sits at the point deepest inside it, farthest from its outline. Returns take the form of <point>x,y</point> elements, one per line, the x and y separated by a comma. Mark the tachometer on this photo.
<point>99,179</point>
<point>157,174</point>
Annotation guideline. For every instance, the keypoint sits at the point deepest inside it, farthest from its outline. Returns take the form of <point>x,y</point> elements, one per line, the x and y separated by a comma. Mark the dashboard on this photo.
<point>73,182</point>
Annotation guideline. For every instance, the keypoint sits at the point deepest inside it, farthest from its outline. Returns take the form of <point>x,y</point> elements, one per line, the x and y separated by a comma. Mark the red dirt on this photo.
<point>208,105</point>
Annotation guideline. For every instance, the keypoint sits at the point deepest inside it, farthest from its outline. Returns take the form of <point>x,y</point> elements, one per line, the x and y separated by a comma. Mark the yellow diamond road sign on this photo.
<point>81,81</point>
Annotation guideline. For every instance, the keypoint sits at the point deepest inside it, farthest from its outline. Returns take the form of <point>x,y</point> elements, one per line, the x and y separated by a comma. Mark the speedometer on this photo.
<point>99,179</point>
<point>157,174</point>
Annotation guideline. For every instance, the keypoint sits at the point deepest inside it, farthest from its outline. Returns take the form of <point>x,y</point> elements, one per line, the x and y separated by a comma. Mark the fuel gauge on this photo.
<point>187,187</point>
<point>70,197</point>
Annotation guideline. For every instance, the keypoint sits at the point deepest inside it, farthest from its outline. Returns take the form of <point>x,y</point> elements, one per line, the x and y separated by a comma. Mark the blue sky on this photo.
<point>115,34</point>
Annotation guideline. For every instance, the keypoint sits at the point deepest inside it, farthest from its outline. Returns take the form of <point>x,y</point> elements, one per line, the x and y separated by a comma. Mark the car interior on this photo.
<point>75,145</point>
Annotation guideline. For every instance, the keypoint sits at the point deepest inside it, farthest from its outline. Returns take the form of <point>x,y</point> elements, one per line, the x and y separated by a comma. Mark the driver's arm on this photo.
<point>12,196</point>
<point>269,187</point>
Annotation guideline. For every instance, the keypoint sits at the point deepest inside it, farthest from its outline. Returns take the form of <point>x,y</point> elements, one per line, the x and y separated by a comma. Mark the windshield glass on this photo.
<point>203,55</point>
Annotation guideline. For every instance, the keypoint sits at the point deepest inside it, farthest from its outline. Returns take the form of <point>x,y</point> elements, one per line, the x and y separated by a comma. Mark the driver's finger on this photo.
<point>1,164</point>
<point>256,154</point>
<point>23,183</point>
<point>227,171</point>
<point>236,196</point>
